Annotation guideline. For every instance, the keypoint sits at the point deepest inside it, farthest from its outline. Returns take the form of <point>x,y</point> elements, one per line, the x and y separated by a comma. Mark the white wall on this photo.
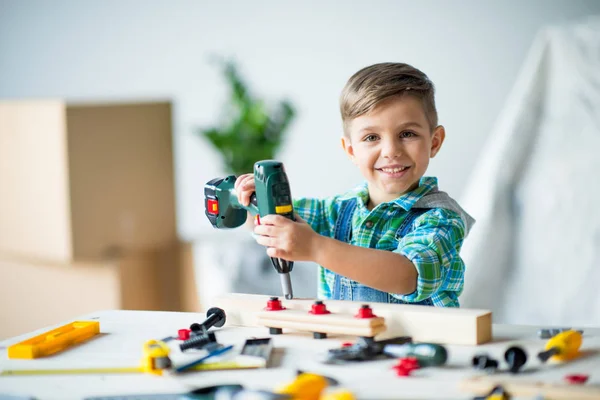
<point>118,50</point>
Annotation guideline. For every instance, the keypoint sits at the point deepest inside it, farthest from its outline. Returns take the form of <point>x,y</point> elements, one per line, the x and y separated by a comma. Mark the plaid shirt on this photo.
<point>432,245</point>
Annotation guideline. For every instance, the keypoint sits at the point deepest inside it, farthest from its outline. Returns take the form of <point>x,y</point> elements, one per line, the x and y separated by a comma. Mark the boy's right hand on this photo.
<point>244,187</point>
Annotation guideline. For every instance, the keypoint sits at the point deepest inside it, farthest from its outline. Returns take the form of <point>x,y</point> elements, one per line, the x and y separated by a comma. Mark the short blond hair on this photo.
<point>378,82</point>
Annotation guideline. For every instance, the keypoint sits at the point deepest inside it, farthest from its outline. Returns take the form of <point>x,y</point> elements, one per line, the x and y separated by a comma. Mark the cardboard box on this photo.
<point>85,181</point>
<point>37,294</point>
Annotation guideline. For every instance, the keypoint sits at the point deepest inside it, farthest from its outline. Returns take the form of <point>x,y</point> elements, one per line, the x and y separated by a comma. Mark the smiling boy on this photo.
<point>395,238</point>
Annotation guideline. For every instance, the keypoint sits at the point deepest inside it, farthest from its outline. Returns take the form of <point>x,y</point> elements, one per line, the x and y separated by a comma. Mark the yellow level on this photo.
<point>55,340</point>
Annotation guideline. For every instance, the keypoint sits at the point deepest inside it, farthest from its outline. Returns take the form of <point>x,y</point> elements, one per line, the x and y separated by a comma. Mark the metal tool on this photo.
<point>272,196</point>
<point>260,347</point>
<point>365,349</point>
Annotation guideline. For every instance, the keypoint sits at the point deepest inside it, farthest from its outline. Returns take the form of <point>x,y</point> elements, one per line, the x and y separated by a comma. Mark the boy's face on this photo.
<point>392,146</point>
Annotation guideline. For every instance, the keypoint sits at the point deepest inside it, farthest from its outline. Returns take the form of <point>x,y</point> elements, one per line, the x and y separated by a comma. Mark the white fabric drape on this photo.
<point>533,257</point>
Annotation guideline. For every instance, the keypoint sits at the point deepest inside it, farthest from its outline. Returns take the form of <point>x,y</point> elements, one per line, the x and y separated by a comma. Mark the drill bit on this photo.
<point>284,267</point>
<point>286,285</point>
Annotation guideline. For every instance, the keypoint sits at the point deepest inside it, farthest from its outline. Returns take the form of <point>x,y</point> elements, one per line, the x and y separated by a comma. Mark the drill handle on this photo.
<point>252,207</point>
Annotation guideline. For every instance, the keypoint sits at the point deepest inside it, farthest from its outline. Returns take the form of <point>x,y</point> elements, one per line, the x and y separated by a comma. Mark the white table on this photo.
<point>124,332</point>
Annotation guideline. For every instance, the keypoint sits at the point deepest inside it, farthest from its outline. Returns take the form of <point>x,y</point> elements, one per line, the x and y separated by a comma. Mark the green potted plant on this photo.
<point>251,131</point>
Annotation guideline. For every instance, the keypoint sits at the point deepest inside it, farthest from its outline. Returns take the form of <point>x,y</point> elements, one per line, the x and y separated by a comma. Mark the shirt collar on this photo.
<point>406,201</point>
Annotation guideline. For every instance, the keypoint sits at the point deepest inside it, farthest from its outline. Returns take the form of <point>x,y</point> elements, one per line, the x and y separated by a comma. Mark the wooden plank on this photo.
<point>482,385</point>
<point>368,331</point>
<point>424,324</point>
<point>344,319</point>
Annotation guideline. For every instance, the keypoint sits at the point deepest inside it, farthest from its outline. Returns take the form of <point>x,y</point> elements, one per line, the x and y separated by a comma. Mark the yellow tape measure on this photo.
<point>216,366</point>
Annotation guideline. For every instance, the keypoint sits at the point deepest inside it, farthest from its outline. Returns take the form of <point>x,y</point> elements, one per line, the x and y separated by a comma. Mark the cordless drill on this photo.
<point>272,196</point>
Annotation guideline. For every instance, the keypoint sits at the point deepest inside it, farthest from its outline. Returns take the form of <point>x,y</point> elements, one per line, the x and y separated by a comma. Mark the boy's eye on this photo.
<point>407,134</point>
<point>370,138</point>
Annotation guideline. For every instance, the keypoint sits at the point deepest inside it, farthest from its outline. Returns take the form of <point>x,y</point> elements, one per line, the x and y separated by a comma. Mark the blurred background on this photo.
<point>103,105</point>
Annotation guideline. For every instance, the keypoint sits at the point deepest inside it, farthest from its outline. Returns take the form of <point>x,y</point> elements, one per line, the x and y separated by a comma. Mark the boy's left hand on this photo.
<point>286,239</point>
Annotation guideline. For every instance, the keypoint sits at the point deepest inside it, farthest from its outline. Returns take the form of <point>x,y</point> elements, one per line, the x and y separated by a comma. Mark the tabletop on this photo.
<point>123,333</point>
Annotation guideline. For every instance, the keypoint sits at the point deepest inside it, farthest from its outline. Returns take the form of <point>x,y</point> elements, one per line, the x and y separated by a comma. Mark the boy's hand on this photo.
<point>244,187</point>
<point>287,239</point>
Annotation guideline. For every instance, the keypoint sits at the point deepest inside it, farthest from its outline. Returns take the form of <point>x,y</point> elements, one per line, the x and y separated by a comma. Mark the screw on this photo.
<point>198,342</point>
<point>365,311</point>
<point>274,304</point>
<point>318,308</point>
<point>215,317</point>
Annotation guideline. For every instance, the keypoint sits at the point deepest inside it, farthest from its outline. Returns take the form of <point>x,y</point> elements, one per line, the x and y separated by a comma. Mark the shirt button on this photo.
<point>369,224</point>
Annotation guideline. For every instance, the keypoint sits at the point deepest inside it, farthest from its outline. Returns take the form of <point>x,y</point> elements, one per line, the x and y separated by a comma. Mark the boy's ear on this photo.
<point>437,139</point>
<point>347,146</point>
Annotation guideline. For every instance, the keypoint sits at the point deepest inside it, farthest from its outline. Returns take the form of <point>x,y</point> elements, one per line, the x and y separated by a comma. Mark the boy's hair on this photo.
<point>373,84</point>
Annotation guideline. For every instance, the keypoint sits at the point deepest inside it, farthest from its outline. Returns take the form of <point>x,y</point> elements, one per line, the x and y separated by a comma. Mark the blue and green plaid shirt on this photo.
<point>432,245</point>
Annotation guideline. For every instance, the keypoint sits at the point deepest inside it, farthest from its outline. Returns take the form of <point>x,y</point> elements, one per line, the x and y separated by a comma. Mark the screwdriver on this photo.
<point>428,354</point>
<point>562,347</point>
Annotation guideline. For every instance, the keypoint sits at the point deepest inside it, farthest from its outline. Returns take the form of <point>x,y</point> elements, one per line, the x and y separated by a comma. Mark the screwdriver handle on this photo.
<point>566,346</point>
<point>428,354</point>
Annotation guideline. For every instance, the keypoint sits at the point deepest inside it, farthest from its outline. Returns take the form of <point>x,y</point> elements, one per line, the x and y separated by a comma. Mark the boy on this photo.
<point>395,238</point>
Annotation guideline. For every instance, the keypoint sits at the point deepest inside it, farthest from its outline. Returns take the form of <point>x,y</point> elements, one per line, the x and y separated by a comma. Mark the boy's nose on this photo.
<point>391,150</point>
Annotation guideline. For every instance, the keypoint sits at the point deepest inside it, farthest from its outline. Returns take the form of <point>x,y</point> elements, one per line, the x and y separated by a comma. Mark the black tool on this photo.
<point>485,362</point>
<point>516,357</point>
<point>215,316</point>
<point>365,349</point>
<point>198,341</point>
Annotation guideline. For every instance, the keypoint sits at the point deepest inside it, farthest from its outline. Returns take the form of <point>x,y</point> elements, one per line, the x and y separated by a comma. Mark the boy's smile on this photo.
<point>392,145</point>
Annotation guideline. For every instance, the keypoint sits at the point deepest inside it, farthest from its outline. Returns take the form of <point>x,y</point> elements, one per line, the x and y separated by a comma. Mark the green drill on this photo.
<point>272,196</point>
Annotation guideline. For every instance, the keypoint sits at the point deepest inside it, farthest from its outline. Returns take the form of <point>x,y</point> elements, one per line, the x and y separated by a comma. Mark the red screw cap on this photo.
<point>365,311</point>
<point>347,344</point>
<point>577,379</point>
<point>318,308</point>
<point>183,334</point>
<point>274,304</point>
<point>406,366</point>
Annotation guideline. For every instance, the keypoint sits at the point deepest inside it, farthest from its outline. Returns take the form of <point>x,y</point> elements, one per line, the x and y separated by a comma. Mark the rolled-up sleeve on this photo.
<point>433,247</point>
<point>316,212</point>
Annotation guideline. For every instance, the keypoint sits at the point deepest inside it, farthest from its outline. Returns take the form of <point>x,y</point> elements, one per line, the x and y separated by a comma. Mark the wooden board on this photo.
<point>338,323</point>
<point>422,323</point>
<point>324,328</point>
<point>482,385</point>
<point>340,319</point>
